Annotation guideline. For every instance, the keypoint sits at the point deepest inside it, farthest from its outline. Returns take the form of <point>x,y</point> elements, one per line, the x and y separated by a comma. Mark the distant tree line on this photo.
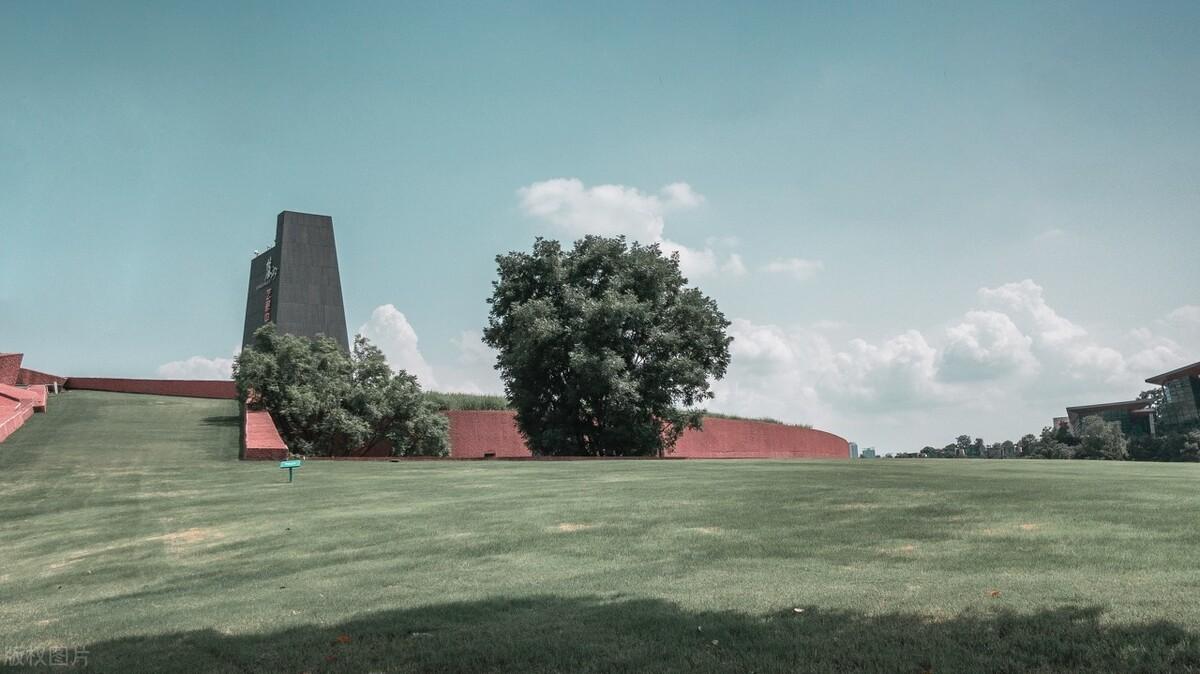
<point>1097,439</point>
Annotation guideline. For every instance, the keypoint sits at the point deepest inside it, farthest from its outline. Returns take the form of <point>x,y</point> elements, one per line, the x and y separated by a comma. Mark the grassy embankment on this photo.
<point>130,530</point>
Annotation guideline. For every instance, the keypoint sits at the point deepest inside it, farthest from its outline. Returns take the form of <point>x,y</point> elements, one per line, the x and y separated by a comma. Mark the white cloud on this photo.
<point>197,367</point>
<point>1058,338</point>
<point>390,330</point>
<point>798,375</point>
<point>1187,316</point>
<point>471,349</point>
<point>611,210</point>
<point>898,374</point>
<point>997,371</point>
<point>986,345</point>
<point>1155,354</point>
<point>798,268</point>
<point>1026,297</point>
<point>734,266</point>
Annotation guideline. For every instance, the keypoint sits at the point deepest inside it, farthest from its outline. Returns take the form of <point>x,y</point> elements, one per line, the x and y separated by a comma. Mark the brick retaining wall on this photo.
<point>189,388</point>
<point>474,434</point>
<point>260,438</point>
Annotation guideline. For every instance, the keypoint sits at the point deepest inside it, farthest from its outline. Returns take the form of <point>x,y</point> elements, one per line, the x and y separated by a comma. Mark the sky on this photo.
<point>921,219</point>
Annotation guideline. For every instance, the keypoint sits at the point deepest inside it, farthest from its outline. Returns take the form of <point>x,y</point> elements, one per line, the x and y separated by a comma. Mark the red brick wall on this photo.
<point>473,433</point>
<point>740,439</point>
<point>10,368</point>
<point>28,377</point>
<point>13,414</point>
<point>260,439</point>
<point>188,388</point>
<point>35,396</point>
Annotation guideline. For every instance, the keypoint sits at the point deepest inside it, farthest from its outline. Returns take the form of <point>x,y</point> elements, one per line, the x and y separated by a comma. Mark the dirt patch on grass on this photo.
<point>1028,527</point>
<point>567,527</point>
<point>185,493</point>
<point>858,506</point>
<point>189,536</point>
<point>179,543</point>
<point>708,531</point>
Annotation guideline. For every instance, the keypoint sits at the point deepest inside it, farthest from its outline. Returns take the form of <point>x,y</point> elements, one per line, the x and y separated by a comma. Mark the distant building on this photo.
<point>1178,410</point>
<point>854,450</point>
<point>1135,416</point>
<point>1181,397</point>
<point>868,453</point>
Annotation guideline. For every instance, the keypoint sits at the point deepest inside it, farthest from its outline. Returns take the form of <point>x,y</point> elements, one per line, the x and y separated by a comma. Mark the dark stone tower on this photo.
<point>296,284</point>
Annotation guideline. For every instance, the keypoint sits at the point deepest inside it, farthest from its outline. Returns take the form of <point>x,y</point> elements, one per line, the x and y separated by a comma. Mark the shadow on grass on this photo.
<point>224,421</point>
<point>622,634</point>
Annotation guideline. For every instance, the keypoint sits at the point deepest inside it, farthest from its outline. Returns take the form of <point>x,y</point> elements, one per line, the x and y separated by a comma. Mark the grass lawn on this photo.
<point>129,529</point>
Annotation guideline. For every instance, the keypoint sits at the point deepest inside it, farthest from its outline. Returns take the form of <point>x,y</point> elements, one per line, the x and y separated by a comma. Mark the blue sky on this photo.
<point>923,221</point>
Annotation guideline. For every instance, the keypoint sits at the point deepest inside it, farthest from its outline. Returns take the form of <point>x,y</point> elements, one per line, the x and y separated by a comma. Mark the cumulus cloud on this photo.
<point>471,349</point>
<point>612,210</point>
<point>986,345</point>
<point>797,374</point>
<point>1026,298</point>
<point>389,329</point>
<point>197,367</point>
<point>1057,336</point>
<point>897,374</point>
<point>734,266</point>
<point>1187,316</point>
<point>798,268</point>
<point>1008,365</point>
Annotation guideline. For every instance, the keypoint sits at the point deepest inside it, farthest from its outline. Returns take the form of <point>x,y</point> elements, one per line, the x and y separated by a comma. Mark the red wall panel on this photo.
<point>10,368</point>
<point>27,377</point>
<point>742,439</point>
<point>260,439</point>
<point>475,433</point>
<point>13,414</point>
<point>194,388</point>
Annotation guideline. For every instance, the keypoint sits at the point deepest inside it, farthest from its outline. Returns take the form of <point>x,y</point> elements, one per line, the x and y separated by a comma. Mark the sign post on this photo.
<point>291,466</point>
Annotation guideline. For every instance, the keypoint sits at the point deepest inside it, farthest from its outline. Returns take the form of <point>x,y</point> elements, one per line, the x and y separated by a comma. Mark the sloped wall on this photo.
<point>10,367</point>
<point>188,388</point>
<point>473,434</point>
<point>27,377</point>
<point>260,438</point>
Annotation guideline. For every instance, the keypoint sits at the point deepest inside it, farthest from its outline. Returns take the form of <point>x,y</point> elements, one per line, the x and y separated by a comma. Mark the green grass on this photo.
<point>765,420</point>
<point>475,401</point>
<point>467,401</point>
<point>148,544</point>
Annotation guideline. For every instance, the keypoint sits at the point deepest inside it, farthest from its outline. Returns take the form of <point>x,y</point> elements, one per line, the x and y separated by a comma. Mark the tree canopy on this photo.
<point>1100,439</point>
<point>604,350</point>
<point>329,402</point>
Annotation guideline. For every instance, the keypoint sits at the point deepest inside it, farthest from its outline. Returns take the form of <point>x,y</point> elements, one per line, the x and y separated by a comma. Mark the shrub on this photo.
<point>331,403</point>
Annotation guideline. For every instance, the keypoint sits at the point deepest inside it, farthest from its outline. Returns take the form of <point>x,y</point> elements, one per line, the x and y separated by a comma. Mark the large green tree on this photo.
<point>604,349</point>
<point>1100,439</point>
<point>329,402</point>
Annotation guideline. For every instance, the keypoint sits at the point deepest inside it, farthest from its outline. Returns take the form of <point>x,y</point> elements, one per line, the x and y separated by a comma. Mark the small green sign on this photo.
<point>291,466</point>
